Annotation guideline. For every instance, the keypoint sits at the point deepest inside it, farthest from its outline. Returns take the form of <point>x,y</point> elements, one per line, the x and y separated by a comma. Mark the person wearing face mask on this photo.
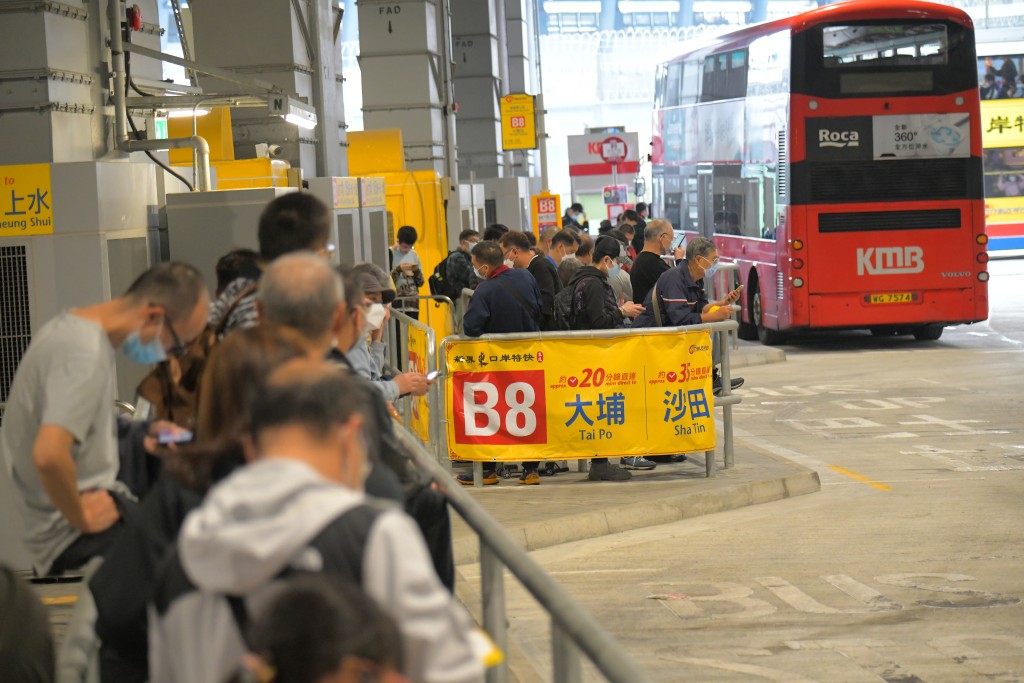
<point>299,506</point>
<point>682,299</point>
<point>368,356</point>
<point>506,300</point>
<point>428,507</point>
<point>563,246</point>
<point>460,265</point>
<point>519,255</point>
<point>595,307</point>
<point>58,436</point>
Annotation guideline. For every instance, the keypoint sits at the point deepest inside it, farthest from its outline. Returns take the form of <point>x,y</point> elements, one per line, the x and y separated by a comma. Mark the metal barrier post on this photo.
<point>722,284</point>
<point>726,405</point>
<point>567,667</point>
<point>492,590</point>
<point>478,474</point>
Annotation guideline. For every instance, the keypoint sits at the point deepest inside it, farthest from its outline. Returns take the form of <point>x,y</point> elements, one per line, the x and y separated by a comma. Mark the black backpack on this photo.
<point>565,306</point>
<point>439,283</point>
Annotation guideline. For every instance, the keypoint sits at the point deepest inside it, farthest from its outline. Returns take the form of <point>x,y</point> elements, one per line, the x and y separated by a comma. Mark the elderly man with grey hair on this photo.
<point>682,301</point>
<point>302,291</point>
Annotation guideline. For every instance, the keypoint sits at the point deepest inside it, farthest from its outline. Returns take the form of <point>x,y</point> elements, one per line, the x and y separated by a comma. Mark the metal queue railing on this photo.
<point>574,632</point>
<point>725,279</point>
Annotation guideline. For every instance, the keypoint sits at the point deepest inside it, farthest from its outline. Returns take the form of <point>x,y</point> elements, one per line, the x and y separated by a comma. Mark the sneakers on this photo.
<point>675,457</point>
<point>716,384</point>
<point>637,462</point>
<point>529,479</point>
<point>604,471</point>
<point>466,478</point>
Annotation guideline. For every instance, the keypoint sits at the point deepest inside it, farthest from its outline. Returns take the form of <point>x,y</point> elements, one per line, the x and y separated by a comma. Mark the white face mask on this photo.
<point>570,257</point>
<point>509,263</point>
<point>375,316</point>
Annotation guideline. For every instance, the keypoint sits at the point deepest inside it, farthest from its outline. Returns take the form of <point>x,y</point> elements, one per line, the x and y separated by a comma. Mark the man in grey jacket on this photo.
<point>299,508</point>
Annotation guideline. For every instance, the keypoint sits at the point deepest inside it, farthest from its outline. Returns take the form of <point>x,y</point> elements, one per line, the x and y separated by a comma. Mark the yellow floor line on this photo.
<point>860,477</point>
<point>60,600</point>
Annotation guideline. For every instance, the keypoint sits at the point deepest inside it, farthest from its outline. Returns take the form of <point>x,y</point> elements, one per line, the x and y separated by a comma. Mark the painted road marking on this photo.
<point>860,477</point>
<point>60,600</point>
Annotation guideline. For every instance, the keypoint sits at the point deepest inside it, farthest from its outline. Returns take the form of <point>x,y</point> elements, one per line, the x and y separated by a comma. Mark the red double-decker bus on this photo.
<point>836,157</point>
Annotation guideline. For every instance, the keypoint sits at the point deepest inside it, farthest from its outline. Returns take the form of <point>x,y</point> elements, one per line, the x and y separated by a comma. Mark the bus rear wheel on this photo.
<point>767,336</point>
<point>928,332</point>
<point>748,331</point>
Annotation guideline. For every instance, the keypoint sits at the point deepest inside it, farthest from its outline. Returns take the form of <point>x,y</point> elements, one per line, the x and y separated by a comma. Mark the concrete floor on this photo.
<point>905,567</point>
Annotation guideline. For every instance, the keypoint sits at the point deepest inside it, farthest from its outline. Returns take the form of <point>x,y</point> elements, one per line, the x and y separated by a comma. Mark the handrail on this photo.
<point>569,621</point>
<point>437,298</point>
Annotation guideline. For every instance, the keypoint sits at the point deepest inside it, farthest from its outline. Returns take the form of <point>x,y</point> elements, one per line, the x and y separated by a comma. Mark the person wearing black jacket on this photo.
<point>506,301</point>
<point>517,253</point>
<point>594,307</point>
<point>649,264</point>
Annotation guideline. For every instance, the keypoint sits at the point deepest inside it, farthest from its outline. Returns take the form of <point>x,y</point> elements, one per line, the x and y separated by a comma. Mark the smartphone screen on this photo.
<point>678,240</point>
<point>432,375</point>
<point>166,438</point>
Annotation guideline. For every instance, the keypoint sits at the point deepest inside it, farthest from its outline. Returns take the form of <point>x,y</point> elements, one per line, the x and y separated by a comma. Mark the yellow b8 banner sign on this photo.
<point>569,398</point>
<point>418,345</point>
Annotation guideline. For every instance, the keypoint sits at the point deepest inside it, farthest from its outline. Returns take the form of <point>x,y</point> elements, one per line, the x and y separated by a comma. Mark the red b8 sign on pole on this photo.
<point>501,408</point>
<point>547,211</point>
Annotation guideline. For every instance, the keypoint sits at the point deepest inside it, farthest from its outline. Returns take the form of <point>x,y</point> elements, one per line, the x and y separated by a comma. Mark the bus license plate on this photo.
<point>892,298</point>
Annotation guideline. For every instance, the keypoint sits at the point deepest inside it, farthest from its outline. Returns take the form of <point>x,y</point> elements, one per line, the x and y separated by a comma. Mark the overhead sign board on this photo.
<point>604,154</point>
<point>518,129</point>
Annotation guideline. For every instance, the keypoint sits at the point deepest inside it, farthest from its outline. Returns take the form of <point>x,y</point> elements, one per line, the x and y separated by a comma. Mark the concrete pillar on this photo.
<point>401,53</point>
<point>478,86</point>
<point>271,45</point>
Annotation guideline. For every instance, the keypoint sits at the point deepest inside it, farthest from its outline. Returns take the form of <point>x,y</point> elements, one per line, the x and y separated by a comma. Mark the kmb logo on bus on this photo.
<point>889,260</point>
<point>838,138</point>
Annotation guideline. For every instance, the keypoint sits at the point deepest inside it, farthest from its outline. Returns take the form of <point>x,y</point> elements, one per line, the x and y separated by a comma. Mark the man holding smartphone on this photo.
<point>58,436</point>
<point>681,299</point>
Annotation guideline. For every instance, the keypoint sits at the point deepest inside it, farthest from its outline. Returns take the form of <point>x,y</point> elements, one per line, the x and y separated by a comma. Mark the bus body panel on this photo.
<point>905,247</point>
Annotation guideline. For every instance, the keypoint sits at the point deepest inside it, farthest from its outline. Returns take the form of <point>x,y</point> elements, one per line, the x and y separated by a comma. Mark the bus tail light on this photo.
<point>983,257</point>
<point>798,245</point>
<point>799,281</point>
<point>981,239</point>
<point>798,263</point>
<point>983,276</point>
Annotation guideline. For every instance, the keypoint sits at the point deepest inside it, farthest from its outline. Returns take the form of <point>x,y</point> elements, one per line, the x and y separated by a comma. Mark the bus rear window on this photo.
<point>879,58</point>
<point>852,47</point>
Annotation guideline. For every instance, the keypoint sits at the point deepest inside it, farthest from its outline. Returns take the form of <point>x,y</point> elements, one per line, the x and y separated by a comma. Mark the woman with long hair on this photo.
<point>235,374</point>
